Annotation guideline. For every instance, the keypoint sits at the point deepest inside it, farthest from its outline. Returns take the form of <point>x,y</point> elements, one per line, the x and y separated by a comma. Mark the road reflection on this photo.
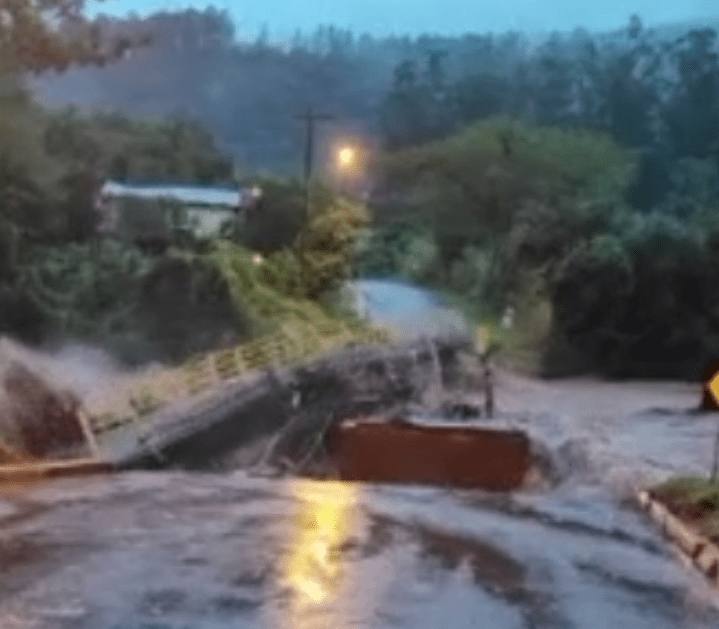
<point>325,521</point>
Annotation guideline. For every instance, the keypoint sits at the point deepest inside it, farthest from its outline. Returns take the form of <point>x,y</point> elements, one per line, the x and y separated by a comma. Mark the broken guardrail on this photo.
<point>294,343</point>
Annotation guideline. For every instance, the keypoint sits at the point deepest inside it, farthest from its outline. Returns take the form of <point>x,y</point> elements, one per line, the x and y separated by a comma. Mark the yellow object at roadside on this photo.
<point>482,340</point>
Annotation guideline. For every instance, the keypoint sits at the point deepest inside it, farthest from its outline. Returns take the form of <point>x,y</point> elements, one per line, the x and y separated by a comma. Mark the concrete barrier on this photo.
<point>401,452</point>
<point>708,562</point>
<point>699,551</point>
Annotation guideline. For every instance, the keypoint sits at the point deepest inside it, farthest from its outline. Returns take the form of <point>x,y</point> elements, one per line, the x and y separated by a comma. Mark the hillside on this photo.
<point>249,93</point>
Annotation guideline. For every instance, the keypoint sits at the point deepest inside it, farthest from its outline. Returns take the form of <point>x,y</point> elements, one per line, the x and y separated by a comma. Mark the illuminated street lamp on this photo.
<point>346,158</point>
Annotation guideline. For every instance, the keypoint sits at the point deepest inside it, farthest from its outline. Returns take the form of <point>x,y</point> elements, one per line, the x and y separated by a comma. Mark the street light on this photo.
<point>346,158</point>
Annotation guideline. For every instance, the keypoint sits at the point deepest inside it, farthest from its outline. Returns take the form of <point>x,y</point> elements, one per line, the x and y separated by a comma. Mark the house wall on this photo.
<point>140,219</point>
<point>130,219</point>
<point>206,222</point>
<point>109,211</point>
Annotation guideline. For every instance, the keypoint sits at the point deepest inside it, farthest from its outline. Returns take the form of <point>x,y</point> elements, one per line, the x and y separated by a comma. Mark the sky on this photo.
<point>383,17</point>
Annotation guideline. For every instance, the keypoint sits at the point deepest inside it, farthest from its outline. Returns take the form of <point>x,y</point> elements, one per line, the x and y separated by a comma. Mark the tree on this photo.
<point>692,112</point>
<point>332,232</point>
<point>481,96</point>
<point>298,41</point>
<point>276,221</point>
<point>554,95</point>
<point>635,26</point>
<point>53,34</point>
<point>263,38</point>
<point>435,70</point>
<point>405,74</point>
<point>171,150</point>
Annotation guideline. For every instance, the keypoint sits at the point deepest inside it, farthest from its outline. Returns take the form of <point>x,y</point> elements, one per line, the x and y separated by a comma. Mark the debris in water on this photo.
<point>47,421</point>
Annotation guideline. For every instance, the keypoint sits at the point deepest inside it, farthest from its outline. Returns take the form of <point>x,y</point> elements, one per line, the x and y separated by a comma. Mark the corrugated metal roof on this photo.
<point>183,194</point>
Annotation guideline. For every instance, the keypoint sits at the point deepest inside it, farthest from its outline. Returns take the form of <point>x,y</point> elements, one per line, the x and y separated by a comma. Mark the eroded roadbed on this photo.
<point>178,549</point>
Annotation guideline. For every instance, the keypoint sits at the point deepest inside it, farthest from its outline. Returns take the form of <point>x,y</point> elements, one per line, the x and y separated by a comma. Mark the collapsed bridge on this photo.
<point>267,407</point>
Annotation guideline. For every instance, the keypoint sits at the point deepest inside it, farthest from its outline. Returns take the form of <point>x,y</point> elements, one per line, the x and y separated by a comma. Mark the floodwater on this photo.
<point>405,309</point>
<point>181,550</point>
<point>184,550</point>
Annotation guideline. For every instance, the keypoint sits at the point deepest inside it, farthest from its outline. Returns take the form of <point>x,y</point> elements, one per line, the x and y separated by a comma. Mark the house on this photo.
<point>155,212</point>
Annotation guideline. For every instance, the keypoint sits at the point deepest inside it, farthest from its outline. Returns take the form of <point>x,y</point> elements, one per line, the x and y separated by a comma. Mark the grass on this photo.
<point>693,499</point>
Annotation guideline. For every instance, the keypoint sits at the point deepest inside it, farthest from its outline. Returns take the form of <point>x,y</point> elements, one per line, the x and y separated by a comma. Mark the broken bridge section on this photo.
<point>290,419</point>
<point>293,405</point>
<point>295,420</point>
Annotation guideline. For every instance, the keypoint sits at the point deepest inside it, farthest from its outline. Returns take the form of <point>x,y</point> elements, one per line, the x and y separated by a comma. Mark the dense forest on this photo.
<point>396,89</point>
<point>573,177</point>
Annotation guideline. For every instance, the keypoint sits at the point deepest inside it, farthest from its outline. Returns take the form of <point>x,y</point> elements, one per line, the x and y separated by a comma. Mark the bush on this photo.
<point>545,226</point>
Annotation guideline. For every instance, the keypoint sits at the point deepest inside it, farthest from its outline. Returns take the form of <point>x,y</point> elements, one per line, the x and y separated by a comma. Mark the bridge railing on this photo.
<point>294,343</point>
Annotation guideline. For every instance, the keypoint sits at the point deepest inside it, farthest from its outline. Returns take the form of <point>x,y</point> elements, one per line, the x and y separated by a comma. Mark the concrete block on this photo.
<point>708,561</point>
<point>686,539</point>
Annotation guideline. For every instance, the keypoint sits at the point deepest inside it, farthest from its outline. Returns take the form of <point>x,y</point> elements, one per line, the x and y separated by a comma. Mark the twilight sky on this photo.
<point>412,17</point>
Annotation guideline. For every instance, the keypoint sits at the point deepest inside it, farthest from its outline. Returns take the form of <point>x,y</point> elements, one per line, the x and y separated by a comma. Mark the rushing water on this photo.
<point>180,550</point>
<point>406,309</point>
<point>203,551</point>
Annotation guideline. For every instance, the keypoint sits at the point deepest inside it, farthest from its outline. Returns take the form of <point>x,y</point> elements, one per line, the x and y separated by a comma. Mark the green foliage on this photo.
<point>477,275</point>
<point>330,235</point>
<point>504,201</point>
<point>82,290</point>
<point>184,307</point>
<point>402,251</point>
<point>269,289</point>
<point>137,306</point>
<point>329,242</point>
<point>51,165</point>
<point>28,41</point>
<point>278,218</point>
<point>420,256</point>
<point>27,175</point>
<point>54,35</point>
<point>691,489</point>
<point>127,149</point>
<point>537,218</point>
<point>642,300</point>
<point>471,187</point>
<point>694,192</point>
<point>693,498</point>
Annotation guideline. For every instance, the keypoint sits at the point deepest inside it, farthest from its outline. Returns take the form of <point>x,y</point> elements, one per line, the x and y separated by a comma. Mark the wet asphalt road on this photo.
<point>176,550</point>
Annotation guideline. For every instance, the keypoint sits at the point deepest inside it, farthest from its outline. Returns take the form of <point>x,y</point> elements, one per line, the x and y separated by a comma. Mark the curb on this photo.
<point>28,472</point>
<point>699,551</point>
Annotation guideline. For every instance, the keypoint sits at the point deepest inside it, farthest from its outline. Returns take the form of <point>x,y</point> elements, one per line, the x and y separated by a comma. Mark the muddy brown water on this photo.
<point>192,550</point>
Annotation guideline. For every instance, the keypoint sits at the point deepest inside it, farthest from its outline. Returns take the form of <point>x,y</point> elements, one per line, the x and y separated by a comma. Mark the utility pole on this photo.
<point>310,118</point>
